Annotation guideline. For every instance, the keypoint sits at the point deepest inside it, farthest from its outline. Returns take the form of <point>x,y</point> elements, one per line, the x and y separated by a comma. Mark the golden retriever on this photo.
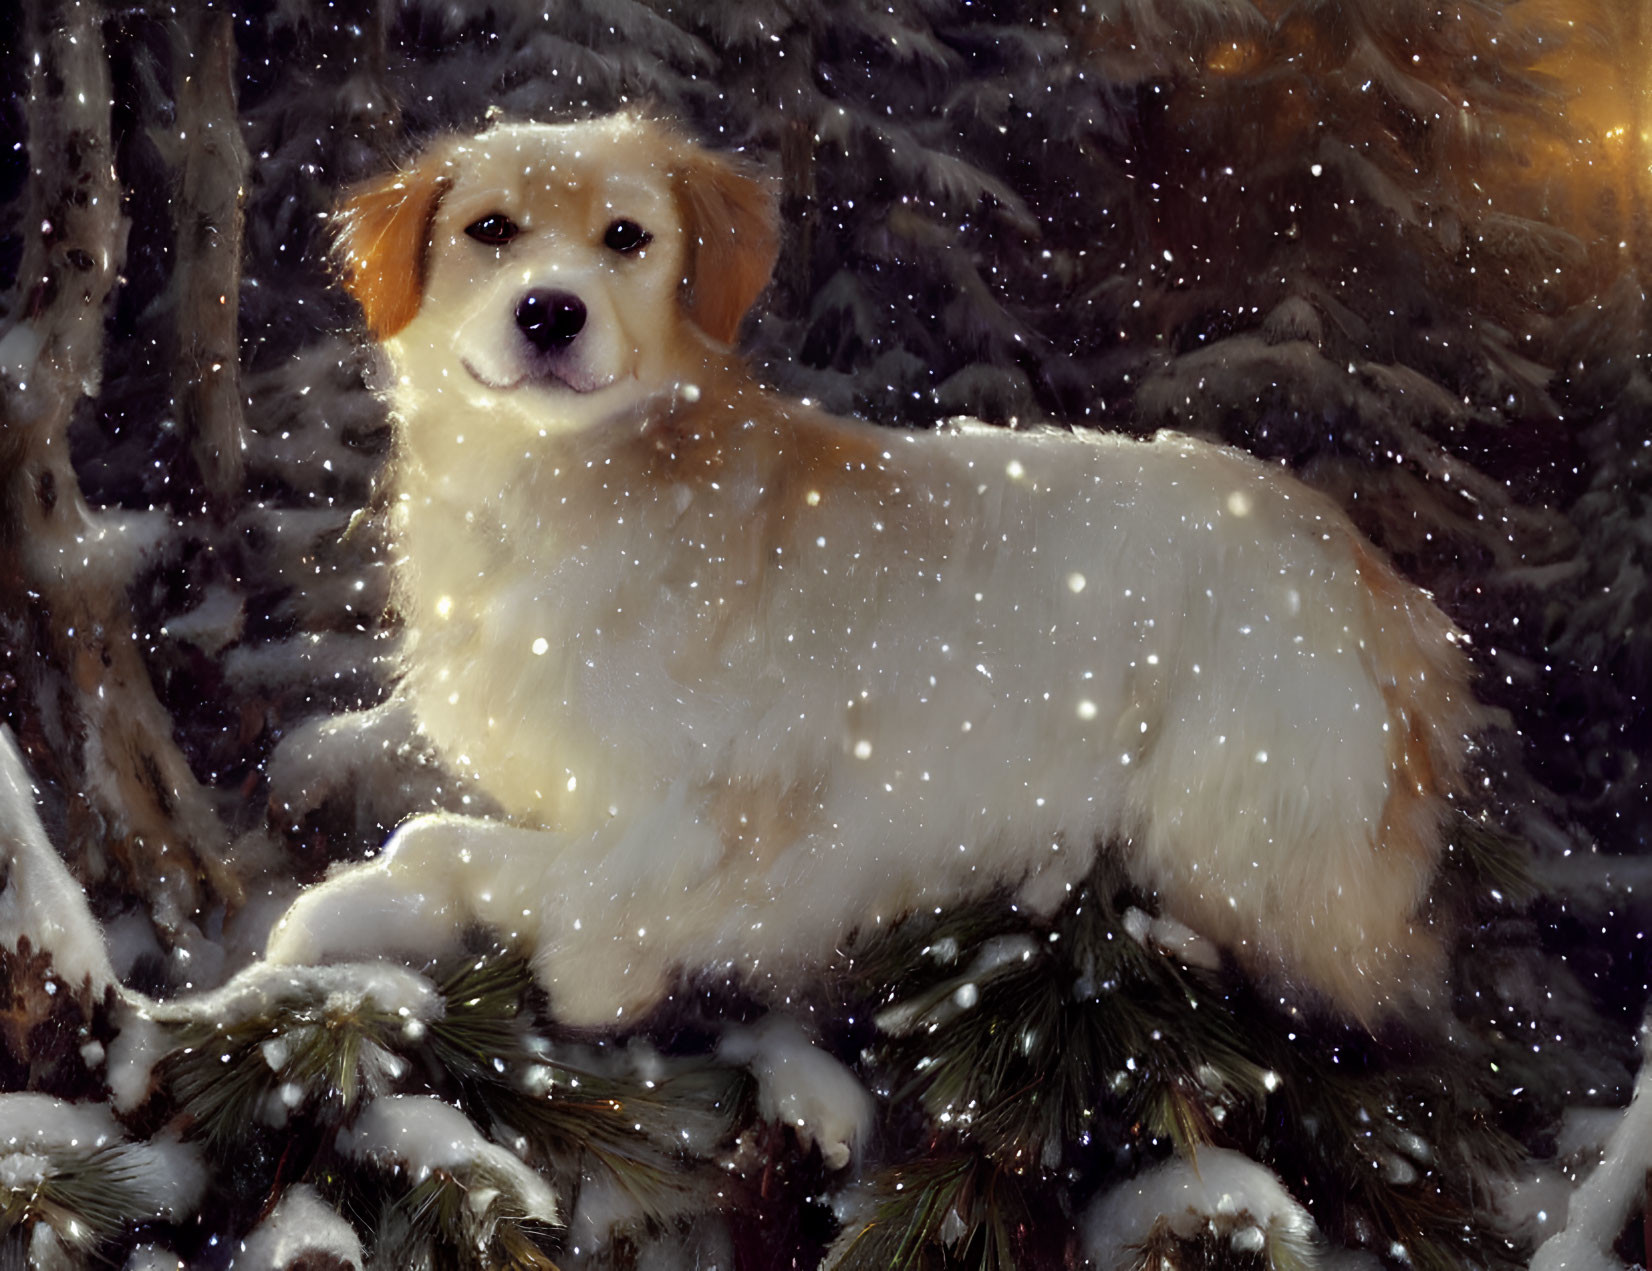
<point>746,677</point>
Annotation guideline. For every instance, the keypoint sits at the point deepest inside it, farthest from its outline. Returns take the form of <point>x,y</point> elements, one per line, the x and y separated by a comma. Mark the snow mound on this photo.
<point>1222,1190</point>
<point>300,1224</point>
<point>377,757</point>
<point>426,1134</point>
<point>802,1086</point>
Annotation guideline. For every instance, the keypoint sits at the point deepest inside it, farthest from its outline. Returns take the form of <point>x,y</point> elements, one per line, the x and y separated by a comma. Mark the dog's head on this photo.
<point>577,261</point>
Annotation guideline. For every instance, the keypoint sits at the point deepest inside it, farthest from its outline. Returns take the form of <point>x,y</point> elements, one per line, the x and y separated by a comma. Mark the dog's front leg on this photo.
<point>542,890</point>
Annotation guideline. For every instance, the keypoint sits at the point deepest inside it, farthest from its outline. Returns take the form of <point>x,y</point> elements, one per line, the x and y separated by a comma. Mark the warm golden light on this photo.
<point>1594,170</point>
<point>1233,57</point>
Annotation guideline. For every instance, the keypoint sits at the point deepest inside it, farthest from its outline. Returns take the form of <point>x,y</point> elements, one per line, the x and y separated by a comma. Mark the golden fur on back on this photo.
<point>746,677</point>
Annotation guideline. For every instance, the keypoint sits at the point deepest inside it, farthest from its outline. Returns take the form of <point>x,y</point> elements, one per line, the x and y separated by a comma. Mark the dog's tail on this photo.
<point>1419,661</point>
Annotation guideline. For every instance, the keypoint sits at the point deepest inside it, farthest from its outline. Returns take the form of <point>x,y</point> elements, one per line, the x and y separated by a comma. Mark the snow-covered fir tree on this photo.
<point>1397,246</point>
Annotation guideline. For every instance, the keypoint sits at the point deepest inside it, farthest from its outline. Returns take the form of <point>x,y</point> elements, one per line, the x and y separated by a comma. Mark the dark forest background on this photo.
<point>1397,245</point>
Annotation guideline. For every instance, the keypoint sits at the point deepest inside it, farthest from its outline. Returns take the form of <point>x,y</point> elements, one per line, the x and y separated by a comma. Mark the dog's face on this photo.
<point>568,270</point>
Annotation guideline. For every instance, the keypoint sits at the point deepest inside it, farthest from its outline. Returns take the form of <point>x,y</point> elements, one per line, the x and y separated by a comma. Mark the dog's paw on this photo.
<point>803,1086</point>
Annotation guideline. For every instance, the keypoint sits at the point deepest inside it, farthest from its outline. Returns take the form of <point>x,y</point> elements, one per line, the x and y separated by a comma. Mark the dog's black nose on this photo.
<point>550,319</point>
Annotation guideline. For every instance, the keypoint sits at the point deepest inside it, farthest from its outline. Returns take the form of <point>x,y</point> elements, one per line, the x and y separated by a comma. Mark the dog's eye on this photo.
<point>494,229</point>
<point>625,237</point>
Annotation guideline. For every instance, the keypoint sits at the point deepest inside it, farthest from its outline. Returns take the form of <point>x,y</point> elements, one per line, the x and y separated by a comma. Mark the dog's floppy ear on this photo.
<point>731,228</point>
<point>383,238</point>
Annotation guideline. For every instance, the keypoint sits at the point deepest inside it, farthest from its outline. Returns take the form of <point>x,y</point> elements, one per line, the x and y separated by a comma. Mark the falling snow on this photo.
<point>1389,249</point>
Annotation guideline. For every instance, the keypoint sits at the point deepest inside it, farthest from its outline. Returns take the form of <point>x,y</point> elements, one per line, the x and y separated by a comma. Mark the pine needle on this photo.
<point>308,1052</point>
<point>1489,858</point>
<point>956,1212</point>
<point>1092,1031</point>
<point>447,1223</point>
<point>87,1196</point>
<point>639,1132</point>
<point>1019,1066</point>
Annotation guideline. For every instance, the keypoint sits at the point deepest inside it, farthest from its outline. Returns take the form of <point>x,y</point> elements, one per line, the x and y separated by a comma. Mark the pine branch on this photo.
<point>446,1223</point>
<point>314,1051</point>
<point>325,1046</point>
<point>641,1133</point>
<point>87,1196</point>
<point>1248,1249</point>
<point>1012,1049</point>
<point>952,1212</point>
<point>71,1182</point>
<point>1481,856</point>
<point>1023,1040</point>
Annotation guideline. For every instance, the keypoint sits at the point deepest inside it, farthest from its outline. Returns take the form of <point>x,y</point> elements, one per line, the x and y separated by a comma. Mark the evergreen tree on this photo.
<point>1345,234</point>
<point>1348,287</point>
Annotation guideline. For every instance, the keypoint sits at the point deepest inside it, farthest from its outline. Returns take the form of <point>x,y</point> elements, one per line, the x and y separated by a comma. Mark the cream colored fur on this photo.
<point>746,677</point>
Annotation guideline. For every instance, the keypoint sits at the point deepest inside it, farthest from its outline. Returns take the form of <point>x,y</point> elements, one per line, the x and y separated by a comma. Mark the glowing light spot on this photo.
<point>812,498</point>
<point>444,607</point>
<point>1014,470</point>
<point>863,749</point>
<point>573,783</point>
<point>1075,582</point>
<point>1261,756</point>
<point>540,646</point>
<point>1087,709</point>
<point>1239,503</point>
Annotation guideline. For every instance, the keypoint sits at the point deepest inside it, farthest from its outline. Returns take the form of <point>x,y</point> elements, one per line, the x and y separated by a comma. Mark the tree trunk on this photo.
<point>208,216</point>
<point>81,695</point>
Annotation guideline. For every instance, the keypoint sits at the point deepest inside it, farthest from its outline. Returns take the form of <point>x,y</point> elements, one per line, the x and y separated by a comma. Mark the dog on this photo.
<point>746,678</point>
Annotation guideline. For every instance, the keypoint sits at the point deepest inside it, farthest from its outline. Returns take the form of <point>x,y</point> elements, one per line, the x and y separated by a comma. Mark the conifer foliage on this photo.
<point>1335,232</point>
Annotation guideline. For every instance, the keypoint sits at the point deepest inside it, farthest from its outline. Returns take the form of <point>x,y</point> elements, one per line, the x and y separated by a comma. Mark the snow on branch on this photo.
<point>1222,1191</point>
<point>39,901</point>
<point>71,1179</point>
<point>302,1230</point>
<point>426,1134</point>
<point>1604,1201</point>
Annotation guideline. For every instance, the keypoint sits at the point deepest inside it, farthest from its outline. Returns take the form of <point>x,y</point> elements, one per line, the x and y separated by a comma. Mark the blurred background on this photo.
<point>1400,246</point>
